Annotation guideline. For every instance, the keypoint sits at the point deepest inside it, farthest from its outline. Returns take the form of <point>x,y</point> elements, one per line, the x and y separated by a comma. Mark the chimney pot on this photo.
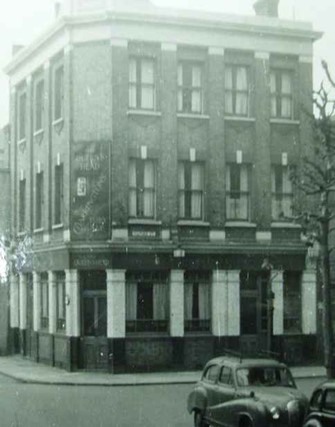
<point>266,7</point>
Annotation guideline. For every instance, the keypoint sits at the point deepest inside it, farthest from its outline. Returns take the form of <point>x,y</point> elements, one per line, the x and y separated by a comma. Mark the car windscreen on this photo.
<point>270,376</point>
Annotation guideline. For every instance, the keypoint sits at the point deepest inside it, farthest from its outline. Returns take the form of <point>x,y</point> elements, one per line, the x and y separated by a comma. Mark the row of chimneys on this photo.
<point>262,7</point>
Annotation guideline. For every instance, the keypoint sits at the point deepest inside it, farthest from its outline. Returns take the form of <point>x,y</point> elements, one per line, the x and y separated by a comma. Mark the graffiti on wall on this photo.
<point>90,190</point>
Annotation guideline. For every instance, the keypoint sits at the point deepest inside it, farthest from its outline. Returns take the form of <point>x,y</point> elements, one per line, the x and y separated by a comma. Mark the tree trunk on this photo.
<point>327,327</point>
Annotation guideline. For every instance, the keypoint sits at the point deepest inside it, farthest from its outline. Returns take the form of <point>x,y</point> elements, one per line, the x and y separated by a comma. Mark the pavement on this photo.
<point>27,371</point>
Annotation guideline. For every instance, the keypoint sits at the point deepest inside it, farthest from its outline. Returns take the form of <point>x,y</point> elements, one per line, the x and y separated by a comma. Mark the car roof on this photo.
<point>237,362</point>
<point>326,384</point>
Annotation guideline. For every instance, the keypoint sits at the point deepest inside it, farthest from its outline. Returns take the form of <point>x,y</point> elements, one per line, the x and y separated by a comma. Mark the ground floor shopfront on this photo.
<point>135,311</point>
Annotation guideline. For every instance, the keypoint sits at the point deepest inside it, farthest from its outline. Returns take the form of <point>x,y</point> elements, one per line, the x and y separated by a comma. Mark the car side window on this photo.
<point>316,400</point>
<point>211,373</point>
<point>226,376</point>
<point>329,401</point>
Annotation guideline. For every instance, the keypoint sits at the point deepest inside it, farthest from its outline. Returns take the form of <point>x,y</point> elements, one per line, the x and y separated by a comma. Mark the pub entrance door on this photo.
<point>93,342</point>
<point>253,312</point>
<point>29,341</point>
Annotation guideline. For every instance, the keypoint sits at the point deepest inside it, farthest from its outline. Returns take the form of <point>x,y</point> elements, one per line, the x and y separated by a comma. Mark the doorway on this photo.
<point>253,312</point>
<point>94,345</point>
<point>29,350</point>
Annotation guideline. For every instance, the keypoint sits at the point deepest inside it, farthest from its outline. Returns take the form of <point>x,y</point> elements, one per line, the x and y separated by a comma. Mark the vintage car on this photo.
<point>321,411</point>
<point>237,392</point>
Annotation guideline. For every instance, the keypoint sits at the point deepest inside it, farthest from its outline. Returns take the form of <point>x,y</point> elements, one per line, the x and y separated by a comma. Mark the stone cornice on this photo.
<point>241,25</point>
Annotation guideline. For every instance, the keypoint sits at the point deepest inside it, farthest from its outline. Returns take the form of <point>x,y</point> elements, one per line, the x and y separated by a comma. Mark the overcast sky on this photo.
<point>22,20</point>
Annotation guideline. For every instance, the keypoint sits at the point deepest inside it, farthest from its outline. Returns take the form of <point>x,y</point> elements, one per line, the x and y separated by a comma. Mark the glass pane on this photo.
<point>248,315</point>
<point>147,97</point>
<point>88,315</point>
<point>196,101</point>
<point>132,95</point>
<point>147,71</point>
<point>286,84</point>
<point>241,78</point>
<point>228,78</point>
<point>132,70</point>
<point>101,327</point>
<point>196,76</point>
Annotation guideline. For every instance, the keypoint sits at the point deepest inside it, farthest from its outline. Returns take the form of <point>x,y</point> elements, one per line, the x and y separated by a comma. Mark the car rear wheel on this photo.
<point>199,420</point>
<point>245,422</point>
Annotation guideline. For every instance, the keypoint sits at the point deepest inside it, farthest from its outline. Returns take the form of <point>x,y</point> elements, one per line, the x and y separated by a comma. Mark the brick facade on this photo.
<point>99,245</point>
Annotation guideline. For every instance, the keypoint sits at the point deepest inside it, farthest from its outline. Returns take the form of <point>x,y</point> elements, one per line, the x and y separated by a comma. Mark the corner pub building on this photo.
<point>150,160</point>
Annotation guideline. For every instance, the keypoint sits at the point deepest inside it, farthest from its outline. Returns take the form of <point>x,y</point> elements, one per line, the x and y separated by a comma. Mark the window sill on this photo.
<point>147,334</point>
<point>39,132</point>
<point>21,141</point>
<point>144,113</point>
<point>57,226</point>
<point>239,119</point>
<point>284,224</point>
<point>144,222</point>
<point>245,224</point>
<point>58,124</point>
<point>284,121</point>
<point>193,116</point>
<point>21,233</point>
<point>38,230</point>
<point>192,223</point>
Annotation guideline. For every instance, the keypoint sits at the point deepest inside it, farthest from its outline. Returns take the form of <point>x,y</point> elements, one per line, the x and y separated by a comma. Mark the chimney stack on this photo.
<point>57,9</point>
<point>266,8</point>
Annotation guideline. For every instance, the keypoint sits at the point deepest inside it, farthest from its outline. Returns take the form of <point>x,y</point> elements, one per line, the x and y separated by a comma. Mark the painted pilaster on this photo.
<point>233,303</point>
<point>177,303</point>
<point>220,303</point>
<point>14,301</point>
<point>37,301</point>
<point>261,183</point>
<point>23,301</point>
<point>278,312</point>
<point>116,303</point>
<point>72,310</point>
<point>308,302</point>
<point>52,302</point>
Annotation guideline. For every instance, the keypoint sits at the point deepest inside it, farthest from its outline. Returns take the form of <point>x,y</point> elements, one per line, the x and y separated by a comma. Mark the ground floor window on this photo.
<point>60,300</point>
<point>44,301</point>
<point>147,302</point>
<point>292,301</point>
<point>197,307</point>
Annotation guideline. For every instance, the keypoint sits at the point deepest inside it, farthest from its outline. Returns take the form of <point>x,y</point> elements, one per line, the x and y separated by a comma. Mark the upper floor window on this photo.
<point>22,115</point>
<point>237,90</point>
<point>281,94</point>
<point>39,200</point>
<point>190,87</point>
<point>282,193</point>
<point>292,301</point>
<point>58,92</point>
<point>191,190</point>
<point>237,195</point>
<point>39,105</point>
<point>22,204</point>
<point>142,185</point>
<point>142,83</point>
<point>59,194</point>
